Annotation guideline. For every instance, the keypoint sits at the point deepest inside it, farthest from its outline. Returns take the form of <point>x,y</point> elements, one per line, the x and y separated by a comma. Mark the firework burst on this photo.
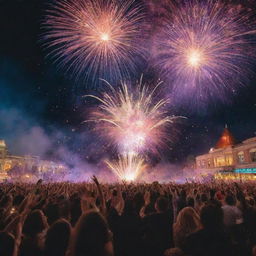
<point>132,119</point>
<point>95,39</point>
<point>128,167</point>
<point>206,49</point>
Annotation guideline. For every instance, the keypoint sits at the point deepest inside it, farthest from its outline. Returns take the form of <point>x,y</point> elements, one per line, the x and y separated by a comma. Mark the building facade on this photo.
<point>25,167</point>
<point>228,159</point>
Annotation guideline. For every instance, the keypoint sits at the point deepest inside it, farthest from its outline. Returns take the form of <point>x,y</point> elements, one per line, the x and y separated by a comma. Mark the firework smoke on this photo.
<point>206,49</point>
<point>132,119</point>
<point>95,38</point>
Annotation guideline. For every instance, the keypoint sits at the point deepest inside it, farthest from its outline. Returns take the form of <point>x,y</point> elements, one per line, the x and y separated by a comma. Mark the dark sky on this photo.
<point>33,93</point>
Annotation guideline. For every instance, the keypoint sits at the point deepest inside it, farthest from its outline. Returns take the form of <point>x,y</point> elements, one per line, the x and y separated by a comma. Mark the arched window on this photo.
<point>240,157</point>
<point>253,154</point>
<point>220,161</point>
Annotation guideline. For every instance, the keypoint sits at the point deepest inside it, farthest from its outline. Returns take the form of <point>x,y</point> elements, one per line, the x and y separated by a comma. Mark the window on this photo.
<point>229,160</point>
<point>220,161</point>
<point>253,154</point>
<point>241,157</point>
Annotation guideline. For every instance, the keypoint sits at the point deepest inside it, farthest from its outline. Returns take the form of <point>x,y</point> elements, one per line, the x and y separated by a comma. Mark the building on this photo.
<point>230,160</point>
<point>24,167</point>
<point>3,149</point>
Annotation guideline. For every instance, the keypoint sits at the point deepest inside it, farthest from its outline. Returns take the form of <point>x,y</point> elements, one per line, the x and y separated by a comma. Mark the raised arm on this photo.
<point>103,207</point>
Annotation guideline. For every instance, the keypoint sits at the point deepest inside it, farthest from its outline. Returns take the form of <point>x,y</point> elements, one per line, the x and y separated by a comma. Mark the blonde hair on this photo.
<point>187,222</point>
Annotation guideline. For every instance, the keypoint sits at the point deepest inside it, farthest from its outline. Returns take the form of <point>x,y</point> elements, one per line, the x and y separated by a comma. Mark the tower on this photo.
<point>3,149</point>
<point>226,139</point>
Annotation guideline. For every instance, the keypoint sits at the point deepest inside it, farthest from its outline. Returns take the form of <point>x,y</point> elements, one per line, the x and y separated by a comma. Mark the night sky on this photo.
<point>41,110</point>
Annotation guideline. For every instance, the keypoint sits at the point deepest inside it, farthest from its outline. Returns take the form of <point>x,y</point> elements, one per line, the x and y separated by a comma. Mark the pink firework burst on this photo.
<point>206,49</point>
<point>94,39</point>
<point>132,119</point>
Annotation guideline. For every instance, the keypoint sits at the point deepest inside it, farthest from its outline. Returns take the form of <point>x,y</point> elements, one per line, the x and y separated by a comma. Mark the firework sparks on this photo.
<point>95,38</point>
<point>128,167</point>
<point>206,49</point>
<point>132,119</point>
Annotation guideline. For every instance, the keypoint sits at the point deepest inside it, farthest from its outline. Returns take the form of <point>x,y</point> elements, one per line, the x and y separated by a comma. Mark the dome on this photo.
<point>2,144</point>
<point>225,140</point>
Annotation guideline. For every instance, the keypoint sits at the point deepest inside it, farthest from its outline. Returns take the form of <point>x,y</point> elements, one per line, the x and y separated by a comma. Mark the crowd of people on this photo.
<point>96,219</point>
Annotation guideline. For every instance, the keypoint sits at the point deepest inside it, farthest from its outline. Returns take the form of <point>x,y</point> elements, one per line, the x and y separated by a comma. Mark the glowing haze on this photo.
<point>206,48</point>
<point>95,38</point>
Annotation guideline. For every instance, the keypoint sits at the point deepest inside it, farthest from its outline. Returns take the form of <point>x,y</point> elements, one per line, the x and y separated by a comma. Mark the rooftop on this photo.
<point>225,140</point>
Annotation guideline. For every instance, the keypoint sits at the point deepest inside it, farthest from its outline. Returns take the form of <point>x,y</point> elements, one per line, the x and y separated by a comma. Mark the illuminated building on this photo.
<point>3,149</point>
<point>3,164</point>
<point>26,166</point>
<point>228,160</point>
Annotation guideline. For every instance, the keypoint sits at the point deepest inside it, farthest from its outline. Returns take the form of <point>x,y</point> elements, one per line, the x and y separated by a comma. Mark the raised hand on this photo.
<point>95,180</point>
<point>103,207</point>
<point>147,197</point>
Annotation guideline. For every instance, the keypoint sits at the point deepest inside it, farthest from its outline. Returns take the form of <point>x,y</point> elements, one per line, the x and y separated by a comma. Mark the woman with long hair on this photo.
<point>187,222</point>
<point>92,236</point>
<point>57,238</point>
